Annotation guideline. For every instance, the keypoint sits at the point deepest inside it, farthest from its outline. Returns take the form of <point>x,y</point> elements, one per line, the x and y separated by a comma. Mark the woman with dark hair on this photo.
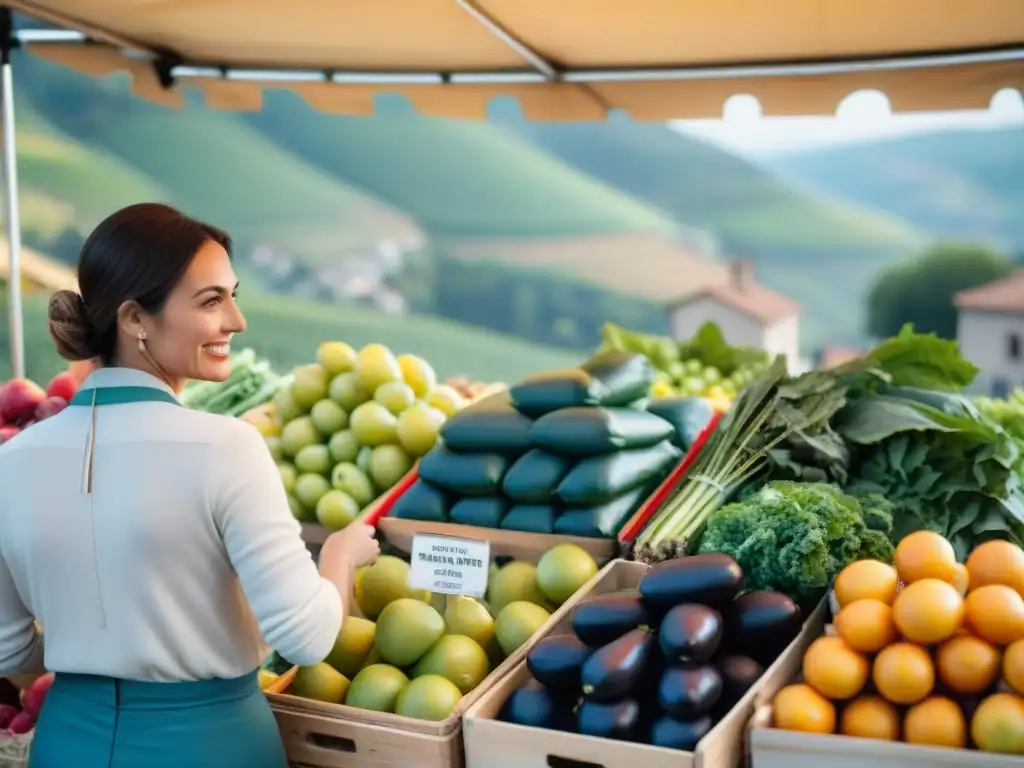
<point>153,544</point>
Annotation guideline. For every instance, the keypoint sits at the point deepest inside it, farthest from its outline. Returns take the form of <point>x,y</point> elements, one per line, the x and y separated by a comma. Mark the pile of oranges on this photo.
<point>930,652</point>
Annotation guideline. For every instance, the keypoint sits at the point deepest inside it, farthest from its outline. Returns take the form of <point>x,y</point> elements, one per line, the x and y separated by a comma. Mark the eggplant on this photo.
<point>762,624</point>
<point>616,670</point>
<point>556,662</point>
<point>599,620</point>
<point>538,707</point>
<point>679,734</point>
<point>610,720</point>
<point>690,690</point>
<point>711,579</point>
<point>691,632</point>
<point>738,673</point>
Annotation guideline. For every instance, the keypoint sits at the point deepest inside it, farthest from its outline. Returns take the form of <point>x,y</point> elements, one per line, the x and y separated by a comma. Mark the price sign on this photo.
<point>449,565</point>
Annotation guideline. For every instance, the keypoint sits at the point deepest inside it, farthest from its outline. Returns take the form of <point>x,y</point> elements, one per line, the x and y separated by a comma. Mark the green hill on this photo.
<point>63,183</point>
<point>798,241</point>
<point>705,186</point>
<point>962,184</point>
<point>288,331</point>
<point>210,164</point>
<point>457,179</point>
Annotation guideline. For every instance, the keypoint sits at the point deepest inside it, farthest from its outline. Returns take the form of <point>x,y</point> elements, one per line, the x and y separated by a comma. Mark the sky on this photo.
<point>862,116</point>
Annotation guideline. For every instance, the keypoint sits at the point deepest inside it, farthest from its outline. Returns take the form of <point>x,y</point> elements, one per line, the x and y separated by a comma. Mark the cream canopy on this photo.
<point>562,59</point>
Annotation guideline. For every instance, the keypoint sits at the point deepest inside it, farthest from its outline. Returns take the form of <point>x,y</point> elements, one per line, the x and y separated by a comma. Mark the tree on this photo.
<point>921,291</point>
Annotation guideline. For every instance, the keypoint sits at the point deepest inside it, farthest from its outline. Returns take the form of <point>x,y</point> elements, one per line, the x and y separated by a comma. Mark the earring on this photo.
<point>142,340</point>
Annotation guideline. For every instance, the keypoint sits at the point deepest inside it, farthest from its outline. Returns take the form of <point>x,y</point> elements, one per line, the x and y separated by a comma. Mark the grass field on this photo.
<point>212,165</point>
<point>289,330</point>
<point>464,179</point>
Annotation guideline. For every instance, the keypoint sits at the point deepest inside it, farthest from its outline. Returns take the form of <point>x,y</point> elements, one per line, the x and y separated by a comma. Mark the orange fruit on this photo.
<point>928,611</point>
<point>866,625</point>
<point>961,579</point>
<point>995,613</point>
<point>937,722</point>
<point>998,724</point>
<point>997,562</point>
<point>801,708</point>
<point>903,673</point>
<point>925,555</point>
<point>1013,666</point>
<point>870,717</point>
<point>866,580</point>
<point>967,664</point>
<point>834,669</point>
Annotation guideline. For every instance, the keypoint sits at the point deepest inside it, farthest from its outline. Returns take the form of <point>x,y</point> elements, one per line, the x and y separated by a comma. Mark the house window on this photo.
<point>1000,388</point>
<point>1013,346</point>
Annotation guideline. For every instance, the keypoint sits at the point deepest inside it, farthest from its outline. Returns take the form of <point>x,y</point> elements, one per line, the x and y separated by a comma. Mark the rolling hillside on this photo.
<point>799,241</point>
<point>288,332</point>
<point>210,164</point>
<point>963,184</point>
<point>457,179</point>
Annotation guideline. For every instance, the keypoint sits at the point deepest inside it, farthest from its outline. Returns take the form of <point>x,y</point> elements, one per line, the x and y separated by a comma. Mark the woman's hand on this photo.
<point>355,543</point>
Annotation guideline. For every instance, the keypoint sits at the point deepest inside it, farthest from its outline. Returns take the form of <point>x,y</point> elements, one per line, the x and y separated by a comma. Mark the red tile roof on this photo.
<point>749,298</point>
<point>1006,295</point>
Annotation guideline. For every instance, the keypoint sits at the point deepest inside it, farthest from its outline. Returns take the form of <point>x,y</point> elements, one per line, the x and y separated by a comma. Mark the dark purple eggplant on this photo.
<point>762,624</point>
<point>534,705</point>
<point>556,662</point>
<point>691,632</point>
<point>599,620</point>
<point>609,720</point>
<point>738,674</point>
<point>710,579</point>
<point>689,691</point>
<point>615,671</point>
<point>679,734</point>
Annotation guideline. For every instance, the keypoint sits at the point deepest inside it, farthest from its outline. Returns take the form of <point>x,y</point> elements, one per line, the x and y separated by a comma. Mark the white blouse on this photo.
<point>160,571</point>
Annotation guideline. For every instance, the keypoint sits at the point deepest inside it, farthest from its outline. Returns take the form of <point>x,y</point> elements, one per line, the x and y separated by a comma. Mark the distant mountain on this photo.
<point>958,184</point>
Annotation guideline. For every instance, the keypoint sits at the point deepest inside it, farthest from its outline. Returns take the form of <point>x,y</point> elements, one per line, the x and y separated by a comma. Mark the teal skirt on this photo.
<point>102,722</point>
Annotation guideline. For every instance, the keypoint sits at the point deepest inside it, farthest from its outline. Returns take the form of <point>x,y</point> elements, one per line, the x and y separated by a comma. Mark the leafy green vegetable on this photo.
<point>708,346</point>
<point>794,537</point>
<point>923,360</point>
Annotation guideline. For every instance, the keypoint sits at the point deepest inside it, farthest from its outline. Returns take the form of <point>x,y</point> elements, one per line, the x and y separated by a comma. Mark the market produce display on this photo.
<point>658,665</point>
<point>349,426</point>
<point>570,452</point>
<point>893,429</point>
<point>23,402</point>
<point>930,652</point>
<point>416,654</point>
<point>252,382</point>
<point>706,365</point>
<point>473,390</point>
<point>19,717</point>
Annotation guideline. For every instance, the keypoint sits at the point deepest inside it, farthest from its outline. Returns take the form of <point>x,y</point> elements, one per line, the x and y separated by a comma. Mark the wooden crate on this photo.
<point>772,748</point>
<point>337,735</point>
<point>491,743</point>
<point>515,544</point>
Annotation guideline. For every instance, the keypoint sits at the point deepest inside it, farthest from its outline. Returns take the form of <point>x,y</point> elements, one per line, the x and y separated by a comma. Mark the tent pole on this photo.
<point>12,218</point>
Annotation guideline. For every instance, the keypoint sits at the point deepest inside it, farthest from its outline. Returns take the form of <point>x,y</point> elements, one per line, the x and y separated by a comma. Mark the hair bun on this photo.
<point>69,326</point>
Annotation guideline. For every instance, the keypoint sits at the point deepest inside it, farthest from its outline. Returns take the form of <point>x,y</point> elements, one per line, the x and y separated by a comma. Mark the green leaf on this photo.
<point>925,361</point>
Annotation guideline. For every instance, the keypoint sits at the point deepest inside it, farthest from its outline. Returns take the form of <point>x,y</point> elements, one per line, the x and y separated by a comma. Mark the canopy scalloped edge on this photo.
<point>943,86</point>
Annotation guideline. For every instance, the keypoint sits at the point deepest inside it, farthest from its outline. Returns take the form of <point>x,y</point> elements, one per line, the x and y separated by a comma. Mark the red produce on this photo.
<point>6,433</point>
<point>51,406</point>
<point>7,714</point>
<point>22,723</point>
<point>19,399</point>
<point>63,385</point>
<point>33,696</point>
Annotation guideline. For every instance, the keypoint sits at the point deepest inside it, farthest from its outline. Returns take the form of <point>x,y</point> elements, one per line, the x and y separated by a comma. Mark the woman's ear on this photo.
<point>129,318</point>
